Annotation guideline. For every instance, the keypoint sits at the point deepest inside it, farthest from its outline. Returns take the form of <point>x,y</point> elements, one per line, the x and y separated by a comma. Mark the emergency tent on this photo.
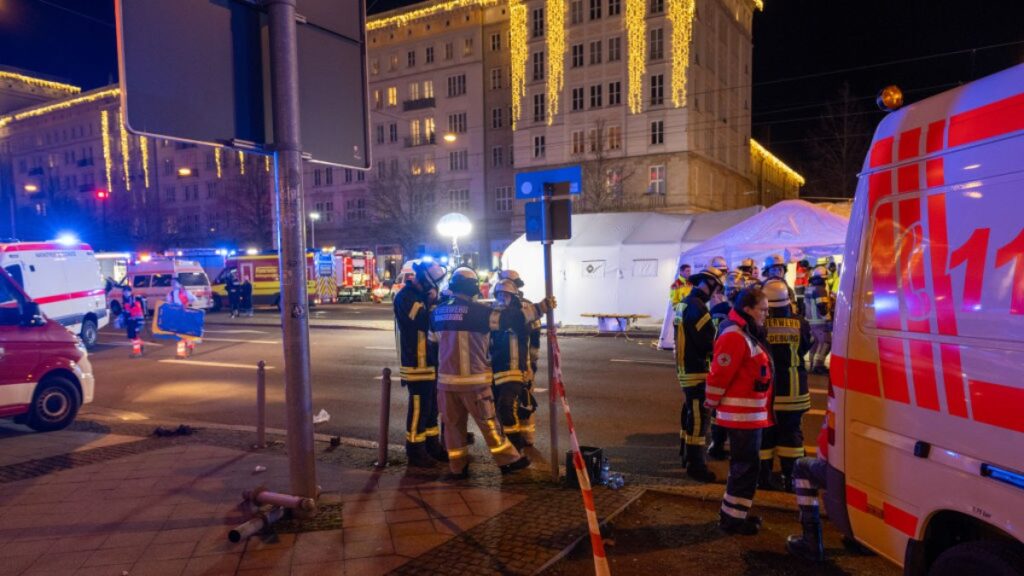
<point>796,229</point>
<point>615,263</point>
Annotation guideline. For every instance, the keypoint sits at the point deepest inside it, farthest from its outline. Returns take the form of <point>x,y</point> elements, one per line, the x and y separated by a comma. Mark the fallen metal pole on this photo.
<point>263,496</point>
<point>266,516</point>
<point>385,419</point>
<point>261,405</point>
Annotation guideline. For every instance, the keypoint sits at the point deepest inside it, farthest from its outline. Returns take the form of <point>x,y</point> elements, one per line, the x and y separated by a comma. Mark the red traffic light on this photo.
<point>102,194</point>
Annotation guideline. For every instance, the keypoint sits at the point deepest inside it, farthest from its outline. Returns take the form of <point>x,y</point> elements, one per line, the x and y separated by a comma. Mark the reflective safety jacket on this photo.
<point>412,319</point>
<point>534,343</point>
<point>695,340</point>
<point>133,309</point>
<point>462,329</point>
<point>510,355</point>
<point>740,366</point>
<point>790,339</point>
<point>816,305</point>
<point>679,291</point>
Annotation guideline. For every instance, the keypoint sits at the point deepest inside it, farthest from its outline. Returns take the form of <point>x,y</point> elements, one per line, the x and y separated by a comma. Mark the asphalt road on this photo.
<point>623,393</point>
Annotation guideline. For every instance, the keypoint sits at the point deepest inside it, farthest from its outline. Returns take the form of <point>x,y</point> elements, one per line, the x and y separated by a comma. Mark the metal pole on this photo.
<point>549,292</point>
<point>284,70</point>
<point>312,232</point>
<point>385,418</point>
<point>261,404</point>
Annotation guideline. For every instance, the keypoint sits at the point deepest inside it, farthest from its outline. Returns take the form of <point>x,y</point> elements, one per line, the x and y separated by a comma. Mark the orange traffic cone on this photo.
<point>136,348</point>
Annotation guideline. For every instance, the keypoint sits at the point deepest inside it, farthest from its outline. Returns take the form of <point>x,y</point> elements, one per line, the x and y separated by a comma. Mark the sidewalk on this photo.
<point>106,498</point>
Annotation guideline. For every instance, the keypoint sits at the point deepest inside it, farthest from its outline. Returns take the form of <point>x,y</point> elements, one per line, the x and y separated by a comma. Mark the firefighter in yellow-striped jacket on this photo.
<point>789,336</point>
<point>526,403</point>
<point>510,361</point>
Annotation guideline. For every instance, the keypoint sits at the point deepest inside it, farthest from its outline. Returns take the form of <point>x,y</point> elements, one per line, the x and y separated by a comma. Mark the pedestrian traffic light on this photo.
<point>102,194</point>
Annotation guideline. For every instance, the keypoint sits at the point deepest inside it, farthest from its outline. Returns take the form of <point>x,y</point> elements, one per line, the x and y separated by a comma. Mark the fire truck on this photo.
<point>263,272</point>
<point>926,399</point>
<point>356,275</point>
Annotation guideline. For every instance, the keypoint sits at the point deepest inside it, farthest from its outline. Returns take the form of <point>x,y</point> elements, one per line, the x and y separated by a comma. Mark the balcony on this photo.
<point>423,141</point>
<point>418,104</point>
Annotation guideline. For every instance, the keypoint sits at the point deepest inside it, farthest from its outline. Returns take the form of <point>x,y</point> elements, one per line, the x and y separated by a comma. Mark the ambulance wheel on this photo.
<point>115,308</point>
<point>54,405</point>
<point>89,333</point>
<point>217,303</point>
<point>983,557</point>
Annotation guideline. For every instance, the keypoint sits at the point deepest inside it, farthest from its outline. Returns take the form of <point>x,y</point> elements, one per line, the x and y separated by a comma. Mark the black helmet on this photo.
<point>464,281</point>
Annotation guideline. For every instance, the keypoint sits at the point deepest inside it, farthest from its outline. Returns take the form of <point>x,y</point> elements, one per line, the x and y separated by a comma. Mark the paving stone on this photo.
<point>367,548</point>
<point>211,565</point>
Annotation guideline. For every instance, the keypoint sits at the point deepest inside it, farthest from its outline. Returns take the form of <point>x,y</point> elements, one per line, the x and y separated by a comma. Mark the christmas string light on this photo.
<point>518,54</point>
<point>266,163</point>
<point>680,14</point>
<point>399,20</point>
<point>70,89</point>
<point>241,163</point>
<point>124,152</point>
<point>556,54</point>
<point>759,153</point>
<point>217,161</point>
<point>105,133</point>
<point>636,45</point>
<point>62,105</point>
<point>144,146</point>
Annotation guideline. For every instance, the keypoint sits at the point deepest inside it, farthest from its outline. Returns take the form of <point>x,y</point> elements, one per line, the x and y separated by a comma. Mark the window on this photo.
<point>657,6</point>
<point>577,142</point>
<point>374,67</point>
<point>429,129</point>
<point>614,93</point>
<point>511,155</point>
<point>657,44</point>
<point>595,52</point>
<point>539,107</point>
<point>614,49</point>
<point>467,46</point>
<point>170,194</point>
<point>393,132</point>
<point>392,96</point>
<point>456,85</point>
<point>496,78</point>
<point>168,166</point>
<point>497,156</point>
<point>348,175</point>
<point>495,42</point>
<point>428,88</point>
<point>538,22</point>
<point>317,181</point>
<point>538,65</point>
<point>458,200</point>
<point>449,51</point>
<point>140,281</point>
<point>577,55</point>
<point>658,132</point>
<point>393,62</point>
<point>577,99</point>
<point>329,176</point>
<point>457,123</point>
<point>576,11</point>
<point>411,58</point>
<point>614,7</point>
<point>595,96</point>
<point>355,210</point>
<point>656,180</point>
<point>360,176</point>
<point>595,9</point>
<point>614,137</point>
<point>497,121</point>
<point>503,198</point>
<point>657,89</point>
<point>429,57</point>
<point>458,160</point>
<point>414,91</point>
<point>377,102</point>
<point>539,146</point>
<point>592,143</point>
<point>415,135</point>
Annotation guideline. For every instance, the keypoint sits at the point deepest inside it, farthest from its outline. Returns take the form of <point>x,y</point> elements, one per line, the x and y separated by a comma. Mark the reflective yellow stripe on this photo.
<point>803,407</point>
<point>502,447</point>
<point>416,307</point>
<point>464,364</point>
<point>703,320</point>
<point>767,453</point>
<point>495,433</point>
<point>421,349</point>
<point>435,431</point>
<point>509,376</point>
<point>454,453</point>
<point>513,352</point>
<point>474,379</point>
<point>411,435</point>
<point>790,451</point>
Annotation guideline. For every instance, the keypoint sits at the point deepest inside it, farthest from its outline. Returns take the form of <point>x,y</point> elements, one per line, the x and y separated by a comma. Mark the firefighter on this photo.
<point>775,267</point>
<point>680,288</point>
<point>412,306</point>
<point>462,329</point>
<point>234,292</point>
<point>748,270</point>
<point>819,315</point>
<point>790,338</point>
<point>739,387</point>
<point>526,404</point>
<point>720,264</point>
<point>134,314</point>
<point>695,339</point>
<point>810,475</point>
<point>510,362</point>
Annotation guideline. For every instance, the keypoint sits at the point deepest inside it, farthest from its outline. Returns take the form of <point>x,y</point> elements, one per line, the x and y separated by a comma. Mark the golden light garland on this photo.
<point>759,4</point>
<point>556,54</point>
<point>217,161</point>
<point>105,133</point>
<point>266,163</point>
<point>406,18</point>
<point>636,46</point>
<point>69,88</point>
<point>680,14</point>
<point>62,105</point>
<point>124,152</point>
<point>760,153</point>
<point>241,162</point>
<point>144,147</point>
<point>518,54</point>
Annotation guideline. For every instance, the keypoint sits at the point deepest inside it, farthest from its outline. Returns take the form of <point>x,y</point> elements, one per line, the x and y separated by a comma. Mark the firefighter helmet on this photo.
<point>820,272</point>
<point>507,286</point>
<point>709,274</point>
<point>772,262</point>
<point>428,274</point>
<point>777,293</point>
<point>747,265</point>
<point>464,281</point>
<point>720,263</point>
<point>511,275</point>
<point>407,270</point>
<point>734,282</point>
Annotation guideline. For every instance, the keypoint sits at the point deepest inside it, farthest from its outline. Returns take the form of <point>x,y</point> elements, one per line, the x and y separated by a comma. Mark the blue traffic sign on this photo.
<point>530,185</point>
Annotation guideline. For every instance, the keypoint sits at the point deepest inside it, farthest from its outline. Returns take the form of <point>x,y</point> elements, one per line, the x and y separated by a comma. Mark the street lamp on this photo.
<point>454,225</point>
<point>313,217</point>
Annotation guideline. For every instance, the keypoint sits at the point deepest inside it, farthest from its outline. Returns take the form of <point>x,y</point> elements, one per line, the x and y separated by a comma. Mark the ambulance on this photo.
<point>152,280</point>
<point>262,270</point>
<point>926,398</point>
<point>64,279</point>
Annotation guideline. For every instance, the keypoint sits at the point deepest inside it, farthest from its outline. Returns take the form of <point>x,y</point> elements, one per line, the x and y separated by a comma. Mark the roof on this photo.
<point>36,246</point>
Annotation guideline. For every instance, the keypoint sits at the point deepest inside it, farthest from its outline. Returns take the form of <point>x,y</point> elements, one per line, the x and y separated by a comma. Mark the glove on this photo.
<point>551,303</point>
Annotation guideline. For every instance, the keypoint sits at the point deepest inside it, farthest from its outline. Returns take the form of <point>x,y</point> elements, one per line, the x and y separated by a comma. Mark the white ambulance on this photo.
<point>64,279</point>
<point>926,419</point>
<point>152,280</point>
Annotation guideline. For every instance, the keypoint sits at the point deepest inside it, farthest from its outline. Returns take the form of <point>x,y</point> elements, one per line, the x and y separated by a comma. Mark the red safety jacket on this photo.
<point>739,362</point>
<point>134,309</point>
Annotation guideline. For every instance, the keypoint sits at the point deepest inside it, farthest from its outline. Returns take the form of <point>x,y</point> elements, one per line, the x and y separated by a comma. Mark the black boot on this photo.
<point>696,466</point>
<point>731,525</point>
<point>765,479</point>
<point>808,546</point>
<point>436,450</point>
<point>517,440</point>
<point>523,462</point>
<point>416,455</point>
<point>683,450</point>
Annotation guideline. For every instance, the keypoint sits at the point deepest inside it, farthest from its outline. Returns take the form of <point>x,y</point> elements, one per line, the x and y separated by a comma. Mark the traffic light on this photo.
<point>102,194</point>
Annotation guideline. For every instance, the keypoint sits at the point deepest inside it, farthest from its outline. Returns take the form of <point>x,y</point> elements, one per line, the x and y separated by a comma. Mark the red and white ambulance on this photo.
<point>926,419</point>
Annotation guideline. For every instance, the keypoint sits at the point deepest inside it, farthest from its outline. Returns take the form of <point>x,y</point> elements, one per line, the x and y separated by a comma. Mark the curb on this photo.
<point>312,325</point>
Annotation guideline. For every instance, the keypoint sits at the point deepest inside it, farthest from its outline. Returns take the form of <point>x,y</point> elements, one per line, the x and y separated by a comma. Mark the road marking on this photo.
<point>653,362</point>
<point>236,341</point>
<point>235,332</point>
<point>816,412</point>
<point>126,343</point>
<point>540,390</point>
<point>213,364</point>
<point>388,348</point>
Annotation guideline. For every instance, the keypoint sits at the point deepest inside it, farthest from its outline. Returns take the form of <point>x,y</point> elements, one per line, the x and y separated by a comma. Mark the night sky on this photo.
<point>804,51</point>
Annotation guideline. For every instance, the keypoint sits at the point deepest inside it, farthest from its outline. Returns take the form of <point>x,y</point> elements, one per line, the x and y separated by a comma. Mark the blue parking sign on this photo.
<point>530,185</point>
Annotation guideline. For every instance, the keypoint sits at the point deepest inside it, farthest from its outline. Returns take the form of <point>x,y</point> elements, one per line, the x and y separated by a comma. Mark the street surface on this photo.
<point>623,392</point>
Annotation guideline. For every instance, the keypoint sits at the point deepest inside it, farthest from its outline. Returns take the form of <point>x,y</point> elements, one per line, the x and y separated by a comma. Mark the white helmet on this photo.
<point>720,263</point>
<point>428,274</point>
<point>407,269</point>
<point>511,275</point>
<point>777,293</point>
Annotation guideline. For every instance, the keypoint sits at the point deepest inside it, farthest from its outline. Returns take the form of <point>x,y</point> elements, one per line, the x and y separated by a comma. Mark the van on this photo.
<point>926,405</point>
<point>45,375</point>
<point>263,271</point>
<point>64,280</point>
<point>152,281</point>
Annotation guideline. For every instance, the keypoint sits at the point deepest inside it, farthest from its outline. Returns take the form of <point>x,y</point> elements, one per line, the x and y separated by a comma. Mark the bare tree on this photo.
<point>245,203</point>
<point>604,177</point>
<point>403,207</point>
<point>840,144</point>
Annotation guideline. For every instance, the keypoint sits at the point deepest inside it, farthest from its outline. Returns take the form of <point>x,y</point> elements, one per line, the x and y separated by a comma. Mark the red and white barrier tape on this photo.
<point>600,560</point>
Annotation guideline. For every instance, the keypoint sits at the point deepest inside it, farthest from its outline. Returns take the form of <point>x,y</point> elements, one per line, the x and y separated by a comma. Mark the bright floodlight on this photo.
<point>251,251</point>
<point>67,239</point>
<point>314,215</point>
<point>454,225</point>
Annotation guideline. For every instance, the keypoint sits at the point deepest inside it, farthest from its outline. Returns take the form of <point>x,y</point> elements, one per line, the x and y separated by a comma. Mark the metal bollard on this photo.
<point>261,404</point>
<point>385,418</point>
<point>263,496</point>
<point>266,516</point>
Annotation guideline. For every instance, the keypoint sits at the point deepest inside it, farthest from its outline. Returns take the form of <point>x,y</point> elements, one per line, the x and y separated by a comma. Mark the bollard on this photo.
<point>266,516</point>
<point>263,496</point>
<point>385,417</point>
<point>261,404</point>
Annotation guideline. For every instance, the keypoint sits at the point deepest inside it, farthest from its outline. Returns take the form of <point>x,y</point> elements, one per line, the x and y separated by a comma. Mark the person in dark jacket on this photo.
<point>510,361</point>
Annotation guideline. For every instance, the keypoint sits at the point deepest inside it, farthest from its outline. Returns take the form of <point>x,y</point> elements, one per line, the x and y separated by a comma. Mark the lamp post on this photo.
<point>454,225</point>
<point>313,217</point>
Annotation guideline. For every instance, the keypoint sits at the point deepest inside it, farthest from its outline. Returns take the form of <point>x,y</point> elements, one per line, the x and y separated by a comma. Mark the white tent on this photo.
<point>615,263</point>
<point>793,228</point>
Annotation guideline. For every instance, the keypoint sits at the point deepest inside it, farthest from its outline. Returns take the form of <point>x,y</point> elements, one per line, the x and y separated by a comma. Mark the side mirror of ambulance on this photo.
<point>31,316</point>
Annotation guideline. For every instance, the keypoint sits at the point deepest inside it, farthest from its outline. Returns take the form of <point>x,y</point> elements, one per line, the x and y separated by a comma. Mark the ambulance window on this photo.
<point>192,279</point>
<point>140,281</point>
<point>10,311</point>
<point>15,272</point>
<point>161,280</point>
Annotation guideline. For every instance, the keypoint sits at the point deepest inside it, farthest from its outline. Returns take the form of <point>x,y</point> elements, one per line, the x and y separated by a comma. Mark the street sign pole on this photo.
<point>548,293</point>
<point>284,70</point>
